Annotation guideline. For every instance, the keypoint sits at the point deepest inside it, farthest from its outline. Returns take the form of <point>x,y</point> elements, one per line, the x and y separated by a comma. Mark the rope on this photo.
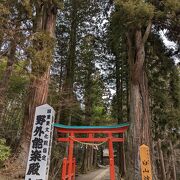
<point>89,144</point>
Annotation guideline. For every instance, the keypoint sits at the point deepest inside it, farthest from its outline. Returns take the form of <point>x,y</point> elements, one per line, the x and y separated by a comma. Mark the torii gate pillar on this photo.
<point>90,131</point>
<point>111,157</point>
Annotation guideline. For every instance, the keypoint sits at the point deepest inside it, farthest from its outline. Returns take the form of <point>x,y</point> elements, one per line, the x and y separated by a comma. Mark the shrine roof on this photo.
<point>117,126</point>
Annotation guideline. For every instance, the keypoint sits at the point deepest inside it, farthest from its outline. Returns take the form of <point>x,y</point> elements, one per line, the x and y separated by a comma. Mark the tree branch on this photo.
<point>147,32</point>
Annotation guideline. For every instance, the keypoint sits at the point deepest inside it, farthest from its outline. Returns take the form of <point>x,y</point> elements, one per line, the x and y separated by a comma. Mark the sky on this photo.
<point>169,44</point>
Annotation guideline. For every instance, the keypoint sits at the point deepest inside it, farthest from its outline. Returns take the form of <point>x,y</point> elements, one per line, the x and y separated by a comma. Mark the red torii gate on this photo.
<point>71,131</point>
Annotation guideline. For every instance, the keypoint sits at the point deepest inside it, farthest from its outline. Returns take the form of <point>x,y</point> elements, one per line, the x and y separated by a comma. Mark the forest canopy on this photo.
<point>99,62</point>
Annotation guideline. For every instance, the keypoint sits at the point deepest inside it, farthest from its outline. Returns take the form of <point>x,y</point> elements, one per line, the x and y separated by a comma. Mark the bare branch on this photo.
<point>147,32</point>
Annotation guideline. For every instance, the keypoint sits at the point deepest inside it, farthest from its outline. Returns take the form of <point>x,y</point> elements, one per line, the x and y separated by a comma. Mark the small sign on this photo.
<point>145,162</point>
<point>41,143</point>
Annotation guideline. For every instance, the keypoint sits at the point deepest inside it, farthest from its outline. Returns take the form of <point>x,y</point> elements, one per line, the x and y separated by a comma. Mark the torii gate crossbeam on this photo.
<point>91,131</point>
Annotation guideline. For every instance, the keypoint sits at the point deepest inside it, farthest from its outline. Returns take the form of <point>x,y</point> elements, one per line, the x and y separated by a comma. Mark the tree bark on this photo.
<point>102,159</point>
<point>163,171</point>
<point>88,87</point>
<point>91,157</point>
<point>173,161</point>
<point>139,102</point>
<point>39,83</point>
<point>94,158</point>
<point>119,107</point>
<point>84,161</point>
<point>68,97</point>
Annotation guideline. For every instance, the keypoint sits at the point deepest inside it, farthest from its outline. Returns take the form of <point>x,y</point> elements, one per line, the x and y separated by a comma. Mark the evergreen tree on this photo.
<point>136,18</point>
<point>43,15</point>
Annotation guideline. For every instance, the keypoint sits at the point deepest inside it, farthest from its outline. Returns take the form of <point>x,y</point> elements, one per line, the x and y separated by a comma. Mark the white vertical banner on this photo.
<point>41,143</point>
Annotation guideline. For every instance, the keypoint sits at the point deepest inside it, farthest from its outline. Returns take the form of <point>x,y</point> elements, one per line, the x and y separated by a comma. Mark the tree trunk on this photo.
<point>88,114</point>
<point>95,158</point>
<point>88,161</point>
<point>119,107</point>
<point>173,161</point>
<point>91,157</point>
<point>6,76</point>
<point>84,161</point>
<point>167,159</point>
<point>68,97</point>
<point>139,103</point>
<point>102,159</point>
<point>58,111</point>
<point>39,83</point>
<point>163,171</point>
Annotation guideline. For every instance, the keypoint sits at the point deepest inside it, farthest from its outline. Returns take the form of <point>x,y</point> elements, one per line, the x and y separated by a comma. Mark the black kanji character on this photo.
<point>45,150</point>
<point>43,157</point>
<point>146,178</point>
<point>145,171</point>
<point>40,119</point>
<point>46,136</point>
<point>47,129</point>
<point>35,155</point>
<point>33,169</point>
<point>38,131</point>
<point>45,143</point>
<point>49,111</point>
<point>49,116</point>
<point>47,123</point>
<point>145,163</point>
<point>37,143</point>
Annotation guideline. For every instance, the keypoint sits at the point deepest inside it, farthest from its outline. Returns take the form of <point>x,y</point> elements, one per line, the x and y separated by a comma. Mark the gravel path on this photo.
<point>100,174</point>
<point>95,175</point>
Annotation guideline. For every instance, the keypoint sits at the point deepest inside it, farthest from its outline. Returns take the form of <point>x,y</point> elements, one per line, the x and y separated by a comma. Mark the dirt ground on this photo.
<point>3,177</point>
<point>100,174</point>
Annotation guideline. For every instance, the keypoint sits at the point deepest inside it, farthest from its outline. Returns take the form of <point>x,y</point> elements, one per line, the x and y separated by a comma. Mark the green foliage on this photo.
<point>99,112</point>
<point>40,52</point>
<point>91,52</point>
<point>174,89</point>
<point>4,150</point>
<point>59,3</point>
<point>2,65</point>
<point>135,12</point>
<point>164,89</point>
<point>3,10</point>
<point>18,80</point>
<point>14,103</point>
<point>28,7</point>
<point>172,5</point>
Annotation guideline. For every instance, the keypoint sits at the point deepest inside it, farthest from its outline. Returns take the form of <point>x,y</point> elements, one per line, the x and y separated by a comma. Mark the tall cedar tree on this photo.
<point>136,18</point>
<point>67,92</point>
<point>44,19</point>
